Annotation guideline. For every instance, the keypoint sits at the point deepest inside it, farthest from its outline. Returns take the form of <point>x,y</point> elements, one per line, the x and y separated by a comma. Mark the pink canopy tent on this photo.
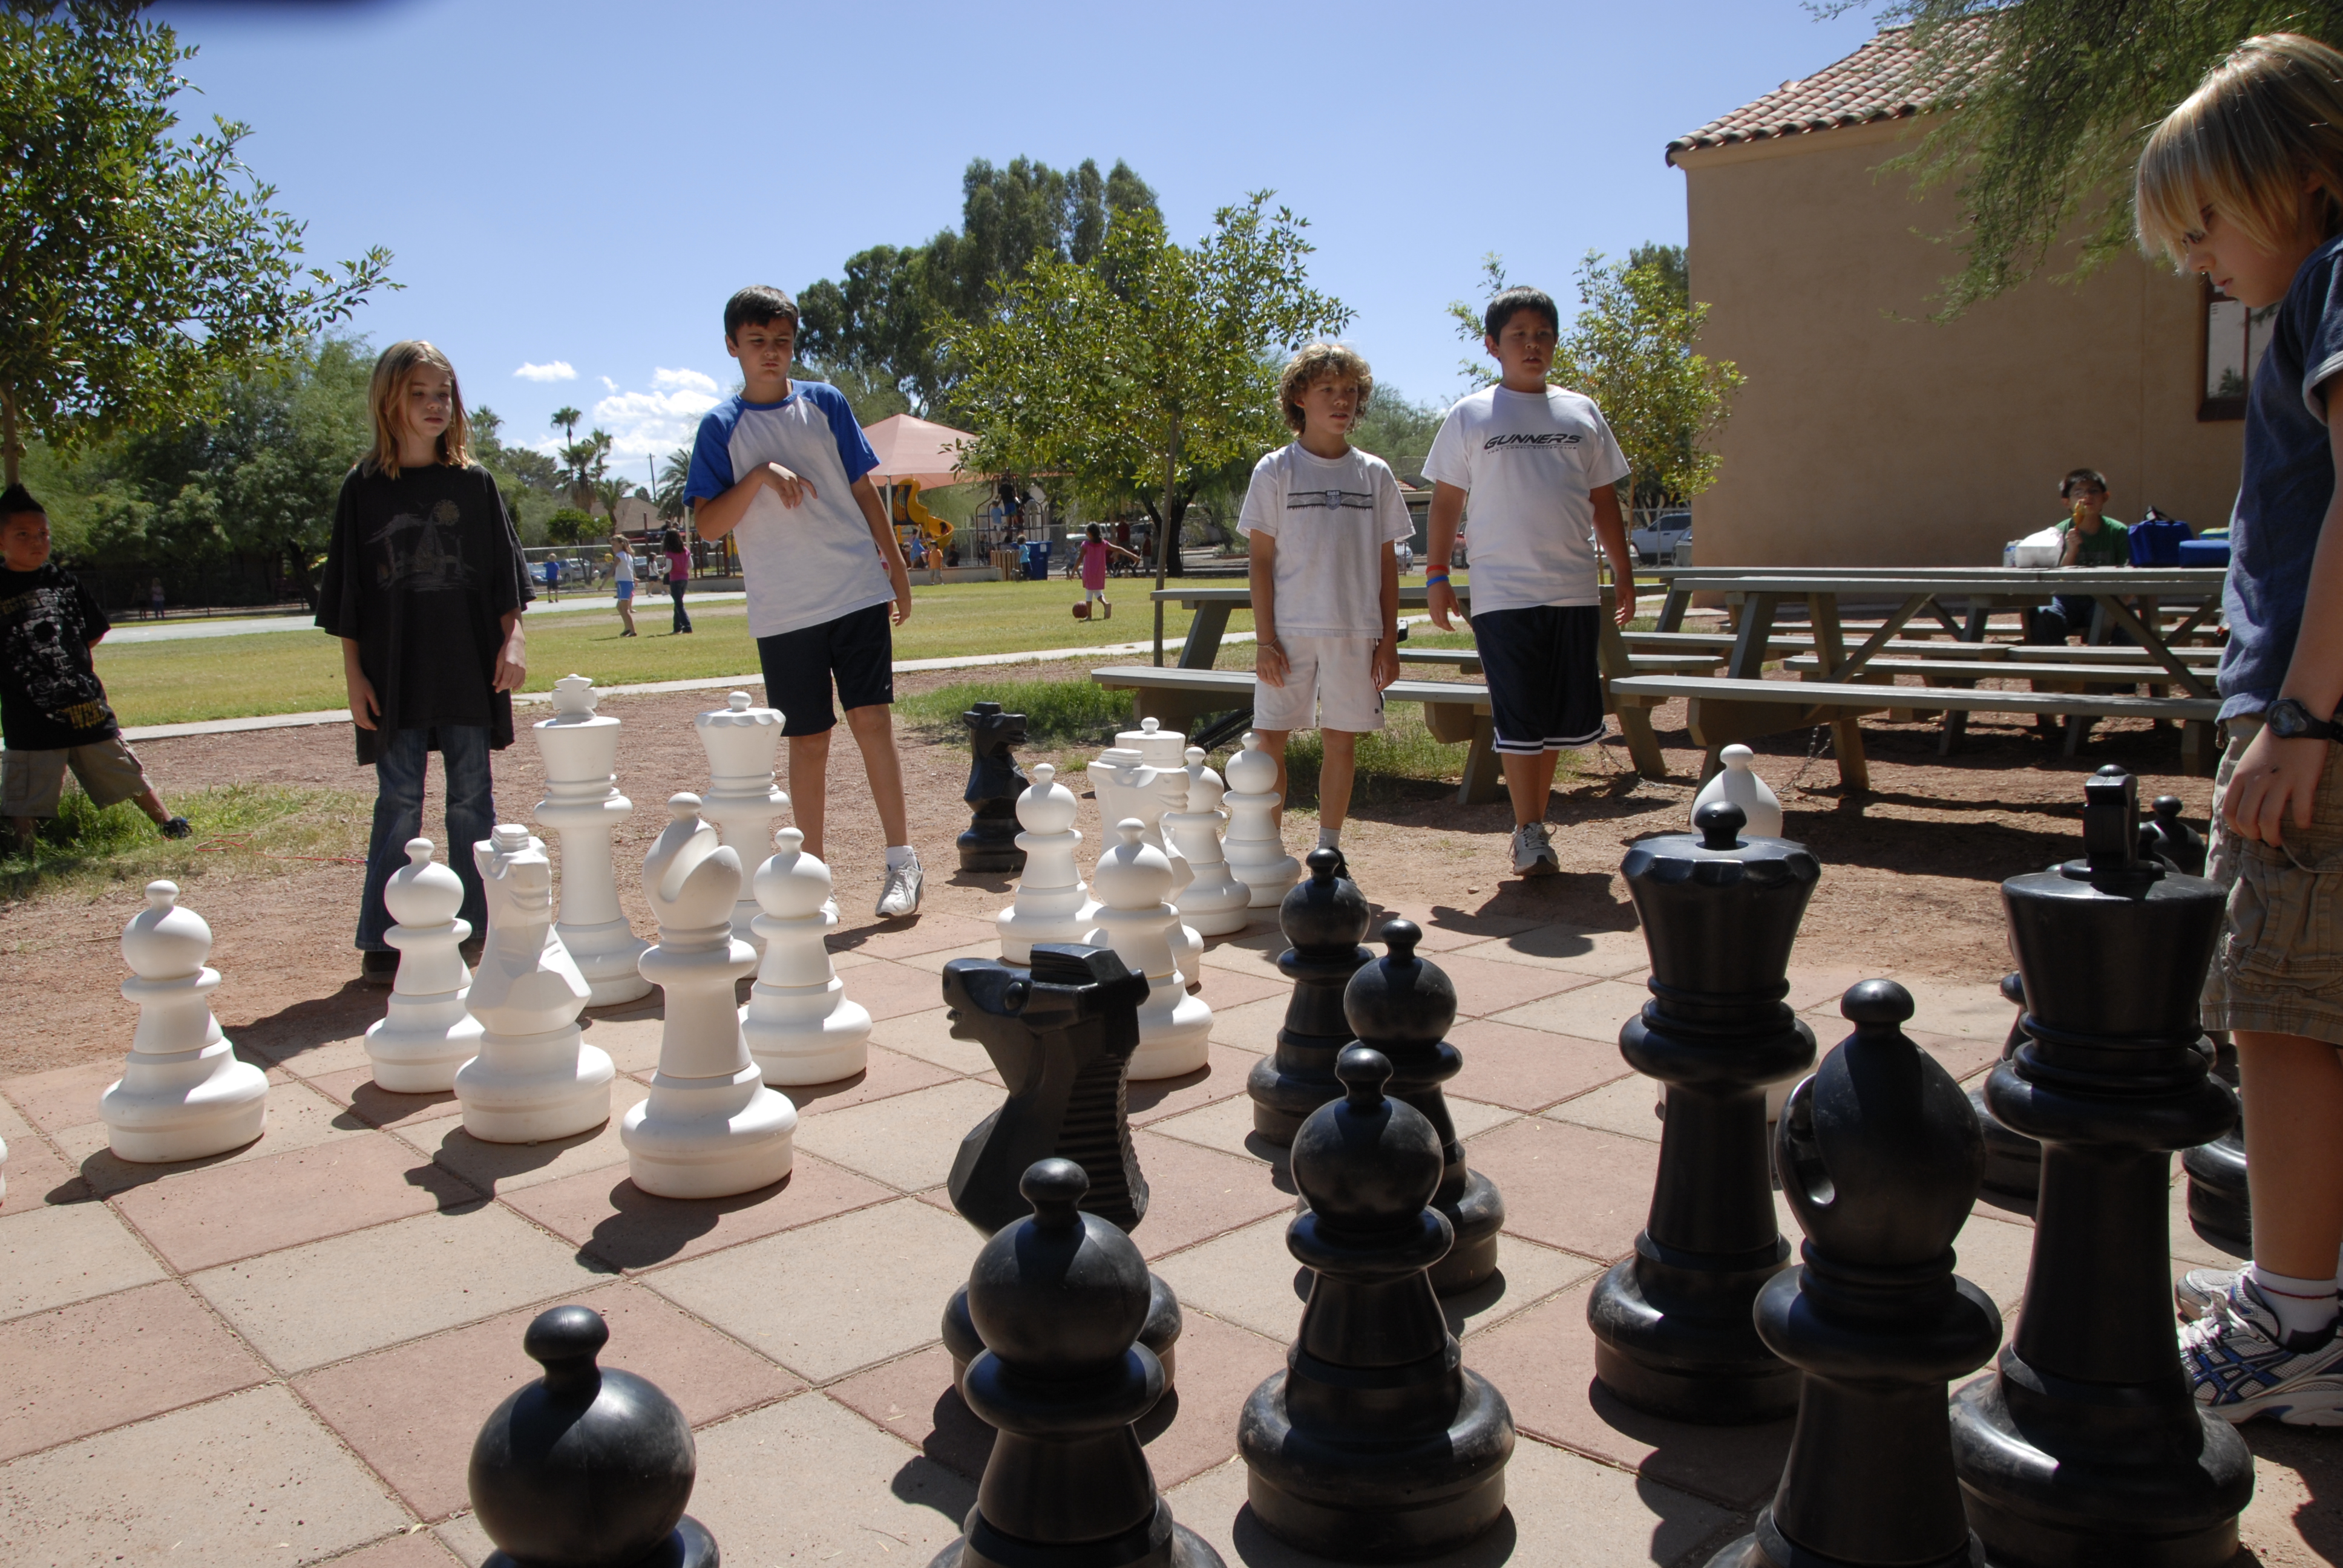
<point>912,449</point>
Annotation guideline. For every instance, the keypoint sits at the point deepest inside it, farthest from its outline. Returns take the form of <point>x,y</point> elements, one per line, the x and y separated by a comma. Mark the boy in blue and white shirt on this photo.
<point>784,469</point>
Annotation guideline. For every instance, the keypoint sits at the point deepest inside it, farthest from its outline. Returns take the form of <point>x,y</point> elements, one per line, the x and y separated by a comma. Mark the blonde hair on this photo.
<point>386,393</point>
<point>1317,359</point>
<point>2260,141</point>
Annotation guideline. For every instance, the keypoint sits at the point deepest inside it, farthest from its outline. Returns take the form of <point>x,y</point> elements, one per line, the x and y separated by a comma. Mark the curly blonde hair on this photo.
<point>1316,360</point>
<point>2260,141</point>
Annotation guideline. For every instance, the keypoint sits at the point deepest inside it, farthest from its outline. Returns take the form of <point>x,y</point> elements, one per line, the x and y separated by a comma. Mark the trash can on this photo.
<point>1037,560</point>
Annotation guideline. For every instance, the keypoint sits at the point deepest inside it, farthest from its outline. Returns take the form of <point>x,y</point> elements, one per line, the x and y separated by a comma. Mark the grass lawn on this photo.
<point>239,826</point>
<point>296,672</point>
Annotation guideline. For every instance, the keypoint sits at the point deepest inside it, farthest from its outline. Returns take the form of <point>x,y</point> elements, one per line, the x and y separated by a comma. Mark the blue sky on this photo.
<point>576,185</point>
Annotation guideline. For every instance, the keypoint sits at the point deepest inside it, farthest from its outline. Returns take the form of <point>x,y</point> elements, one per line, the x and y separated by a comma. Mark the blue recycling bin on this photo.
<point>2204,553</point>
<point>1037,560</point>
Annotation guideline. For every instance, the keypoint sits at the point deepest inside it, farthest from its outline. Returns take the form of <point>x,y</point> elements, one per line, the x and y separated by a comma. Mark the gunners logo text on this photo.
<point>1546,439</point>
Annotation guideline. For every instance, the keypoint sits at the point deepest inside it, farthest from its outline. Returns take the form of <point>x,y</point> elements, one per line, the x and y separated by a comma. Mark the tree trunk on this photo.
<point>1163,532</point>
<point>12,446</point>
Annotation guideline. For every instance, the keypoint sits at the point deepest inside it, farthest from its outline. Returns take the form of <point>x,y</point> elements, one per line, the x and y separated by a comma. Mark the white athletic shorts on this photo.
<point>1330,684</point>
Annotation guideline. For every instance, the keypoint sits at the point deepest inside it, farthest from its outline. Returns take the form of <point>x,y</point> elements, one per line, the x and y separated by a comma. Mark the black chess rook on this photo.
<point>2013,1161</point>
<point>994,782</point>
<point>1325,918</point>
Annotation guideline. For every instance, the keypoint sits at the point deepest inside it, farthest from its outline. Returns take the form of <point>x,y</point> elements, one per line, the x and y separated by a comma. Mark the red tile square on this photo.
<point>96,1364</point>
<point>420,1550</point>
<point>611,1221</point>
<point>64,1097</point>
<point>1569,1187</point>
<point>223,1212</point>
<point>377,1106</point>
<point>1485,986</point>
<point>1543,1362</point>
<point>38,1176</point>
<point>889,1072</point>
<point>1528,1069</point>
<point>914,1398</point>
<point>1234,988</point>
<point>1194,1192</point>
<point>1222,1075</point>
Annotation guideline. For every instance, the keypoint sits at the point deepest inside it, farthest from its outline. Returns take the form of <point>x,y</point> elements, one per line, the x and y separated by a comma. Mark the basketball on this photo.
<point>1082,610</point>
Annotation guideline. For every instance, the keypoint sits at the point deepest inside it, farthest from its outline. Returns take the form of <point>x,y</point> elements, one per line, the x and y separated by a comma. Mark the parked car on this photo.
<point>1655,544</point>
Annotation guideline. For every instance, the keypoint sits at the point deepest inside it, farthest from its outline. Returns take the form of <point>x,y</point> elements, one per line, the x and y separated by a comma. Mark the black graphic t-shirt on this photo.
<point>50,698</point>
<point>420,572</point>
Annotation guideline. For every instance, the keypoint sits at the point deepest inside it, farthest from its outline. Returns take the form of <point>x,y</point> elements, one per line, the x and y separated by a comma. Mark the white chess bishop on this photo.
<point>710,1128</point>
<point>1761,812</point>
<point>427,1030</point>
<point>800,1023</point>
<point>1053,904</point>
<point>1215,902</point>
<point>1135,922</point>
<point>1255,853</point>
<point>743,798</point>
<point>182,1094</point>
<point>535,1077</point>
<point>583,805</point>
<point>1129,786</point>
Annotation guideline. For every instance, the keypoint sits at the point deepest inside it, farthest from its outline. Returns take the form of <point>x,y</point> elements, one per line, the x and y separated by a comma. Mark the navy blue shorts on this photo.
<point>1544,690</point>
<point>858,650</point>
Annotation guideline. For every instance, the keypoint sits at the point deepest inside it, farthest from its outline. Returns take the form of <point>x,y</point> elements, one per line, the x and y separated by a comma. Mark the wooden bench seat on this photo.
<point>1996,670</point>
<point>1919,648</point>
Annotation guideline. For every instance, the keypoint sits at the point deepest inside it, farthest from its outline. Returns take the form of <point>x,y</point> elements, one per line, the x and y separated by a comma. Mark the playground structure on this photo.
<point>912,519</point>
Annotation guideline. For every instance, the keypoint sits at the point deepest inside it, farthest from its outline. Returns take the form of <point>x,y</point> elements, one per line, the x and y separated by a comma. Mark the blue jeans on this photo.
<point>675,592</point>
<point>398,816</point>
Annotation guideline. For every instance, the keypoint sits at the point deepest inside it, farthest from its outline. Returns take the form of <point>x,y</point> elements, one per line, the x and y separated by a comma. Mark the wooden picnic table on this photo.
<point>1731,715</point>
<point>1212,606</point>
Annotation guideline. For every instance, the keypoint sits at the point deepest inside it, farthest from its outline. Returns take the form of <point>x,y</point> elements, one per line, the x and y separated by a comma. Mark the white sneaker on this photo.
<point>2239,1365</point>
<point>1533,853</point>
<point>901,896</point>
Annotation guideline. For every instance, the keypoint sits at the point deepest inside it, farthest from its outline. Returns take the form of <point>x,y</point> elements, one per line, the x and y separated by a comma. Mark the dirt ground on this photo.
<point>1910,870</point>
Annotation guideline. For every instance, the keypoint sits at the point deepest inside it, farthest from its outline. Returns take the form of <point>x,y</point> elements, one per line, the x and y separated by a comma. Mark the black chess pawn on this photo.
<point>1325,918</point>
<point>994,782</point>
<point>1058,1299</point>
<point>2171,841</point>
<point>1375,1442</point>
<point>2085,1445</point>
<point>1672,1333</point>
<point>2221,1209</point>
<point>1060,1034</point>
<point>1402,1005</point>
<point>587,1467</point>
<point>2013,1161</point>
<point>1880,1157</point>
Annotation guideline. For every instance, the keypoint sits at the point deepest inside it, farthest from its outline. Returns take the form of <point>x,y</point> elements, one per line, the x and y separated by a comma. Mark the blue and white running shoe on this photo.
<point>2240,1364</point>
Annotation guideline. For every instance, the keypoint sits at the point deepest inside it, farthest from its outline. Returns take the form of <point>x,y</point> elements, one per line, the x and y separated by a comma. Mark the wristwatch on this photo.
<point>2289,719</point>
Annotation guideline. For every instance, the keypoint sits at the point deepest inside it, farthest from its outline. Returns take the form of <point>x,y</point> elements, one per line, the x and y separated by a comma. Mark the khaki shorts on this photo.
<point>1329,682</point>
<point>31,781</point>
<point>2278,967</point>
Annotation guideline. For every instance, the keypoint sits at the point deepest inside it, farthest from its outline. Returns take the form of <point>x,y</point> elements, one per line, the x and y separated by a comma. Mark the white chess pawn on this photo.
<point>533,1078</point>
<point>182,1094</point>
<point>799,1024</point>
<point>1761,812</point>
<point>743,798</point>
<point>710,1128</point>
<point>1255,853</point>
<point>1157,746</point>
<point>1128,786</point>
<point>427,1030</point>
<point>1053,904</point>
<point>1135,922</point>
<point>582,804</point>
<point>1215,902</point>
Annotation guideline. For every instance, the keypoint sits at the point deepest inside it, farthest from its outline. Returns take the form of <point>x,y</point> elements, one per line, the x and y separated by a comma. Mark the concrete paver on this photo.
<point>508,1167</point>
<point>1591,1012</point>
<point>111,1361</point>
<point>617,1225</point>
<point>55,1256</point>
<point>224,1213</point>
<point>907,1142</point>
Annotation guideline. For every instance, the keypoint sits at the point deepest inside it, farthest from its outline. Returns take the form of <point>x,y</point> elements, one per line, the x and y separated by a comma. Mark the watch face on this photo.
<point>2287,719</point>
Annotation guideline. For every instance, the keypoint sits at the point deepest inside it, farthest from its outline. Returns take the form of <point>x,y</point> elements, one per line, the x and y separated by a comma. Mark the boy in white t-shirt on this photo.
<point>1323,517</point>
<point>1541,468</point>
<point>784,469</point>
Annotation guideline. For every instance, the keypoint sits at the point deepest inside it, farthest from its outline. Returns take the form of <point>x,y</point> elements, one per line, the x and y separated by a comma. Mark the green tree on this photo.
<point>584,465</point>
<point>674,474</point>
<point>2044,107</point>
<point>565,420</point>
<point>142,268</point>
<point>568,525</point>
<point>1397,429</point>
<point>1143,374</point>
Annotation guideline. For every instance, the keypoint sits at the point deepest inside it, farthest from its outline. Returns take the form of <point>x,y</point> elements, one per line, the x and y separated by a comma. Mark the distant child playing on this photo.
<point>784,469</point>
<point>2244,184</point>
<point>1096,552</point>
<point>53,708</point>
<point>1541,470</point>
<point>622,580</point>
<point>425,584</point>
<point>676,561</point>
<point>1321,517</point>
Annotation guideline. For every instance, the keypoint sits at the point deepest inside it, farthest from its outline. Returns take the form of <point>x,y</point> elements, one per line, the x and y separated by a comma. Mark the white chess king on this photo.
<point>582,804</point>
<point>743,798</point>
<point>710,1128</point>
<point>535,1077</point>
<point>1052,903</point>
<point>1128,786</point>
<point>1133,878</point>
<point>800,1023</point>
<point>427,1030</point>
<point>182,1094</point>
<point>1255,853</point>
<point>1761,812</point>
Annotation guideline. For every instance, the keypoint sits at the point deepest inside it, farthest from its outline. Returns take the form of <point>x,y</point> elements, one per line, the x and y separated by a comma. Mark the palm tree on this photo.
<point>584,464</point>
<point>673,475</point>
<point>566,420</point>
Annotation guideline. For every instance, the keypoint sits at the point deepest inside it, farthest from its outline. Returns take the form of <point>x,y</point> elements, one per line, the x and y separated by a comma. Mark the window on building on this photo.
<point>2235,338</point>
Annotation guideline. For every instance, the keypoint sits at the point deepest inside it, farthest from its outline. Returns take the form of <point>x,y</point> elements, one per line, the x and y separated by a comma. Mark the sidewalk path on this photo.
<point>576,604</point>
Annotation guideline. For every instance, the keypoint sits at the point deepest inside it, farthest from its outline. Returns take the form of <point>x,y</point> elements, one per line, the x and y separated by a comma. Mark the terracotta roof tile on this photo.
<point>1889,78</point>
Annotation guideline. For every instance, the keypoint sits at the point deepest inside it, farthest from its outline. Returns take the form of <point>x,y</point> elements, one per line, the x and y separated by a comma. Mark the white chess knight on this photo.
<point>427,1030</point>
<point>1135,922</point>
<point>182,1094</point>
<point>1215,902</point>
<point>1053,904</point>
<point>743,798</point>
<point>710,1128</point>
<point>800,1023</point>
<point>1761,812</point>
<point>1255,853</point>
<point>535,1078</point>
<point>1129,786</point>
<point>582,804</point>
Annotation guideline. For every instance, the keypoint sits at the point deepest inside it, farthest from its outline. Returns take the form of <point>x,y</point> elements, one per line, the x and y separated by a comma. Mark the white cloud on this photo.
<point>656,422</point>
<point>559,370</point>
<point>609,384</point>
<point>686,380</point>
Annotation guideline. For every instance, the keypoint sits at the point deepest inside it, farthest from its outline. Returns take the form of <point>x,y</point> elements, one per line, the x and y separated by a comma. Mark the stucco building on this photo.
<point>1870,435</point>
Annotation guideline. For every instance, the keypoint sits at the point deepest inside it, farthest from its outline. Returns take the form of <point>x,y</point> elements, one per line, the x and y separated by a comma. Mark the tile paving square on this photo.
<point>1529,1069</point>
<point>887,1074</point>
<point>1486,987</point>
<point>1627,1106</point>
<point>121,1357</point>
<point>1194,1192</point>
<point>1249,1026</point>
<point>509,1167</point>
<point>1570,1187</point>
<point>926,1035</point>
<point>1603,954</point>
<point>907,1142</point>
<point>891,990</point>
<point>52,1257</point>
<point>1591,1012</point>
<point>298,1118</point>
<point>1221,1077</point>
<point>615,1225</point>
<point>1225,1125</point>
<point>35,1174</point>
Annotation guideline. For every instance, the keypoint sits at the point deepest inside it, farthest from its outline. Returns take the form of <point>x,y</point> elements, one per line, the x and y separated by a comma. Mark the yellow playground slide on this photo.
<point>909,512</point>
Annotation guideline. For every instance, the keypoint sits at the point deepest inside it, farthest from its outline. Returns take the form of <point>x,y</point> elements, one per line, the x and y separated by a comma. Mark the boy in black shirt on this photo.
<point>424,584</point>
<point>53,708</point>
